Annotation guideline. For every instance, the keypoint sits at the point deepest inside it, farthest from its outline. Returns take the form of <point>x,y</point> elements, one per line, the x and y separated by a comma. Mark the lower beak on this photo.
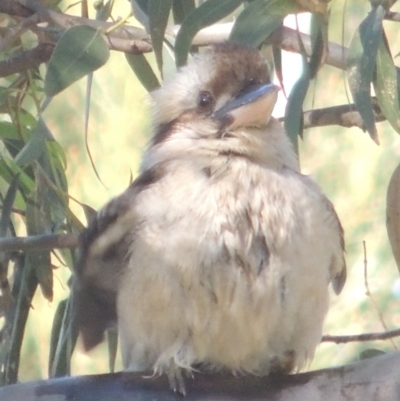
<point>252,108</point>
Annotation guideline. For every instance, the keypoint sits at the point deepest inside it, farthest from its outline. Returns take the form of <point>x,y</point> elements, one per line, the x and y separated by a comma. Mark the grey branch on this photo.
<point>374,379</point>
<point>43,242</point>
<point>344,115</point>
<point>362,337</point>
<point>27,59</point>
<point>284,37</point>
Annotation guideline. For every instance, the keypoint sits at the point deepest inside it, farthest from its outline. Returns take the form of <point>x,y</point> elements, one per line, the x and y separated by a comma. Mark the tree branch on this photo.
<point>39,242</point>
<point>345,115</point>
<point>27,59</point>
<point>386,335</point>
<point>374,379</point>
<point>284,37</point>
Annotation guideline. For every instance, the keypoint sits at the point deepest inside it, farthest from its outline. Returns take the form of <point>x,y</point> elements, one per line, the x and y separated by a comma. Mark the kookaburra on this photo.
<point>220,254</point>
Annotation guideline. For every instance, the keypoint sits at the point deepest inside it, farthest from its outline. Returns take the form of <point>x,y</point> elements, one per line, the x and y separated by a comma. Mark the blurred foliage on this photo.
<point>34,189</point>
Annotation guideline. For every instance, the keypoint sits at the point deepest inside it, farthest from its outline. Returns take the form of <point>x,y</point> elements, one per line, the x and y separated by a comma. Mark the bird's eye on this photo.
<point>205,99</point>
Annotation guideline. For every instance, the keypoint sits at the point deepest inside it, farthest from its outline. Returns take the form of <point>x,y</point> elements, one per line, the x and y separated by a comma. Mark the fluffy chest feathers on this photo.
<point>229,268</point>
<point>220,254</point>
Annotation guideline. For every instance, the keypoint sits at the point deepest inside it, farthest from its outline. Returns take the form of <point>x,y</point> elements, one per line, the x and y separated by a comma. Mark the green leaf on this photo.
<point>319,41</point>
<point>158,11</point>
<point>8,131</point>
<point>140,12</point>
<point>112,342</point>
<point>103,13</point>
<point>23,290</point>
<point>35,146</point>
<point>7,205</point>
<point>386,85</point>
<point>80,51</point>
<point>206,14</point>
<point>54,360</point>
<point>360,65</point>
<point>8,170</point>
<point>63,340</point>
<point>293,122</point>
<point>142,68</point>
<point>181,8</point>
<point>259,19</point>
<point>36,223</point>
<point>370,353</point>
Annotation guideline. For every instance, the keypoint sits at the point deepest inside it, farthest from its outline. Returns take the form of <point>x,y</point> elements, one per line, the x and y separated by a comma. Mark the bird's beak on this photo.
<point>249,109</point>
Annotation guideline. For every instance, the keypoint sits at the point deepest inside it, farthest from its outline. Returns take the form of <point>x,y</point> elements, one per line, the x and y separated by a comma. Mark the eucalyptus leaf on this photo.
<point>35,146</point>
<point>142,68</point>
<point>293,121</point>
<point>386,85</point>
<point>140,12</point>
<point>360,65</point>
<point>259,19</point>
<point>319,43</point>
<point>158,11</point>
<point>206,14</point>
<point>112,342</point>
<point>181,8</point>
<point>63,340</point>
<point>54,360</point>
<point>36,224</point>
<point>23,290</point>
<point>7,205</point>
<point>80,51</point>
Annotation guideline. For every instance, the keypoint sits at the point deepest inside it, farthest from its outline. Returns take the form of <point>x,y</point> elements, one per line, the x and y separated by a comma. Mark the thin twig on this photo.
<point>362,337</point>
<point>368,293</point>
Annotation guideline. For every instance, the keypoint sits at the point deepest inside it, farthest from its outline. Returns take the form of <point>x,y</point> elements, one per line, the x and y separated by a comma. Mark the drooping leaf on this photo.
<point>293,122</point>
<point>142,68</point>
<point>63,340</point>
<point>36,223</point>
<point>206,14</point>
<point>360,65</point>
<point>259,19</point>
<point>181,8</point>
<point>140,11</point>
<point>80,51</point>
<point>54,359</point>
<point>103,13</point>
<point>8,170</point>
<point>158,11</point>
<point>23,290</point>
<point>386,85</point>
<point>35,146</point>
<point>277,56</point>
<point>112,342</point>
<point>7,205</point>
<point>319,44</point>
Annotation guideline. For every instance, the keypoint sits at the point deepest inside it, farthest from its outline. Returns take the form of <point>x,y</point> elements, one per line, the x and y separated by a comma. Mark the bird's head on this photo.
<point>220,104</point>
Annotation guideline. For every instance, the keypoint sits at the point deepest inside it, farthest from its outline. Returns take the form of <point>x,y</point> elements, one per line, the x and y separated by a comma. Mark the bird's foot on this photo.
<point>176,381</point>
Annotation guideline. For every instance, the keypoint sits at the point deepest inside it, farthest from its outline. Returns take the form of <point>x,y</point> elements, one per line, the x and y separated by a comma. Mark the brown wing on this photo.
<point>102,252</point>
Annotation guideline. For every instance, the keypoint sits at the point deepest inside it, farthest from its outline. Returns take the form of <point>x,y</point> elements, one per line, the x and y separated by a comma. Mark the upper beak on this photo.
<point>251,108</point>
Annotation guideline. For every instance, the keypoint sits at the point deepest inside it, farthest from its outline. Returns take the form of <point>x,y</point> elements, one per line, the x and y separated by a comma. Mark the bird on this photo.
<point>219,256</point>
